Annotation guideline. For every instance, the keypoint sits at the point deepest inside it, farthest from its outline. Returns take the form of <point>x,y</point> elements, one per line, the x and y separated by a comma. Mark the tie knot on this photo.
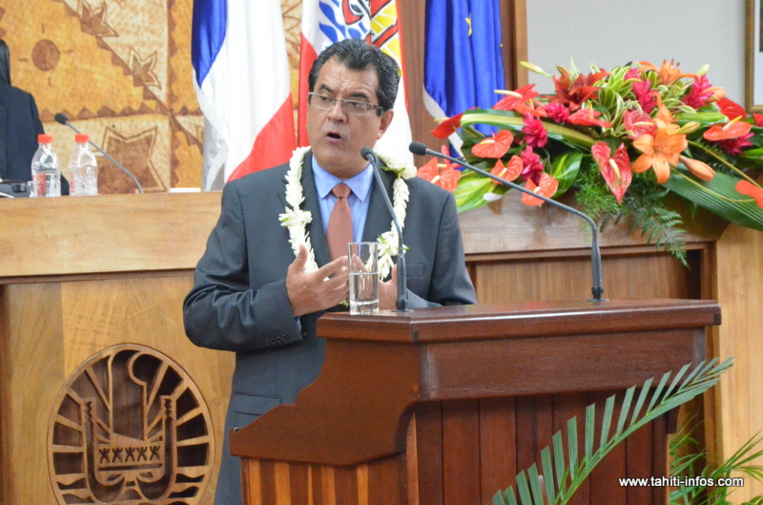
<point>341,190</point>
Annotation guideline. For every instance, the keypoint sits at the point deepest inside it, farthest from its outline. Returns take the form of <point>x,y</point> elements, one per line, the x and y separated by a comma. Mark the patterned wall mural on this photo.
<point>121,71</point>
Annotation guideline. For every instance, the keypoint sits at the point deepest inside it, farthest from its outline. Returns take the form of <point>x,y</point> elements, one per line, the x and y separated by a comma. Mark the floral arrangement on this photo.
<point>621,141</point>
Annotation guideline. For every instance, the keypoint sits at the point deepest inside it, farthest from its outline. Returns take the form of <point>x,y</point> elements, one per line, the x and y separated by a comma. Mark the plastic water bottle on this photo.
<point>83,168</point>
<point>46,176</point>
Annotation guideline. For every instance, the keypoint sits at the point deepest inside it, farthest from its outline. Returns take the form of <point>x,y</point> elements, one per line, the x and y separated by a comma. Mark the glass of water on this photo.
<point>364,278</point>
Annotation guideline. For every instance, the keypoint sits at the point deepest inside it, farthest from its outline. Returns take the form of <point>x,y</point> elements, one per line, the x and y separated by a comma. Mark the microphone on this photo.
<point>598,289</point>
<point>61,118</point>
<point>402,288</point>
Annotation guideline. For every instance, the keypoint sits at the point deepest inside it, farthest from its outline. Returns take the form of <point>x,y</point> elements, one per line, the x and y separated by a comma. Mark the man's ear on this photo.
<point>386,119</point>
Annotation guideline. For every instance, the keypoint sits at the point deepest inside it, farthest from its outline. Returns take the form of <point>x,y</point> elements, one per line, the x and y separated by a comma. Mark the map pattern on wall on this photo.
<point>121,71</point>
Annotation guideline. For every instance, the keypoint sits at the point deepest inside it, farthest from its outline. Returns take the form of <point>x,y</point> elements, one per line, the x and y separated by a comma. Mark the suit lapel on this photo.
<point>315,228</point>
<point>3,135</point>
<point>378,220</point>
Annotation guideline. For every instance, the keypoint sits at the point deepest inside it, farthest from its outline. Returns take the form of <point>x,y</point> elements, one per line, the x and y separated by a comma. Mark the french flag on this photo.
<point>327,21</point>
<point>241,75</point>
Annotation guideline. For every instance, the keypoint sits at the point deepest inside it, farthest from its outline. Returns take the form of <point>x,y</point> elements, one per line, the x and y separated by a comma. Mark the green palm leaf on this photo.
<point>561,481</point>
<point>718,196</point>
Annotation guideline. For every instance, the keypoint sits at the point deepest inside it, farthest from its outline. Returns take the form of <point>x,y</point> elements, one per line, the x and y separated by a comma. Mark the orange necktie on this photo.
<point>339,229</point>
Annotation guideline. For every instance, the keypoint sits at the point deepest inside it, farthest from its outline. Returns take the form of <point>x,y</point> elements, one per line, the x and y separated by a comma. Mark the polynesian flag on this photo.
<point>327,21</point>
<point>241,75</point>
<point>463,64</point>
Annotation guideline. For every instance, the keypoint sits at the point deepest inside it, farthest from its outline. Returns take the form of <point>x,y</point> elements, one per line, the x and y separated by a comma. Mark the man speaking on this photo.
<point>271,267</point>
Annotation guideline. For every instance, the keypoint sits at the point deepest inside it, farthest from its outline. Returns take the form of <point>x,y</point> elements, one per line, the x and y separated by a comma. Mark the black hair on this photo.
<point>356,54</point>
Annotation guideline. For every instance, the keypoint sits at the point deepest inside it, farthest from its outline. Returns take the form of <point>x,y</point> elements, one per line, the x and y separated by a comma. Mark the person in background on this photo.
<point>252,296</point>
<point>19,126</point>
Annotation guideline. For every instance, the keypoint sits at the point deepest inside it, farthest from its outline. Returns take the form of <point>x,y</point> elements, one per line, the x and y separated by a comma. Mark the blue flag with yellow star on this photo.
<point>463,56</point>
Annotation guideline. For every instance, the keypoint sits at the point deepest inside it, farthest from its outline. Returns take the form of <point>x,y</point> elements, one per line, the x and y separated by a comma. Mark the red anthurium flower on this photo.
<point>748,189</point>
<point>547,188</point>
<point>616,169</point>
<point>494,146</point>
<point>730,130</point>
<point>638,123</point>
<point>448,127</point>
<point>535,133</point>
<point>514,98</point>
<point>758,119</point>
<point>440,174</point>
<point>731,109</point>
<point>587,117</point>
<point>509,172</point>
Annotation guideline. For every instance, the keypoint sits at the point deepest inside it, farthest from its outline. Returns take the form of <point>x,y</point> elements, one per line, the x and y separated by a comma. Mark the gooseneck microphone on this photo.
<point>598,289</point>
<point>61,118</point>
<point>402,287</point>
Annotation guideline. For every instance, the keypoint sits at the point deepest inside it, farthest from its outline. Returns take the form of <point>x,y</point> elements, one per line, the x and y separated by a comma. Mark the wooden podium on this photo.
<point>444,406</point>
<point>80,277</point>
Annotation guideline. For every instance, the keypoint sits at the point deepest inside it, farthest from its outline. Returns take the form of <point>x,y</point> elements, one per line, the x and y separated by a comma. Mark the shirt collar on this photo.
<point>360,184</point>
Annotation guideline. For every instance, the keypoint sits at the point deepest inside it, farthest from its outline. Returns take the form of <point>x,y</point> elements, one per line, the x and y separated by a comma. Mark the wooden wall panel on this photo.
<point>740,293</point>
<point>54,327</point>
<point>648,275</point>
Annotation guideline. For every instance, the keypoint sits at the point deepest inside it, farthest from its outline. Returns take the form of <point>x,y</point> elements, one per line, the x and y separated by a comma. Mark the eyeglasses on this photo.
<point>353,107</point>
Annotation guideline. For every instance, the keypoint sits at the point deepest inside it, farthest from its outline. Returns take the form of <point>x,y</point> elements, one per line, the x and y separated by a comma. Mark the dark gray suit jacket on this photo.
<point>239,301</point>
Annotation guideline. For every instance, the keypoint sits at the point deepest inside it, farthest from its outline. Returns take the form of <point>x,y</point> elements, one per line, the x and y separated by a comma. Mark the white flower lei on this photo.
<point>296,220</point>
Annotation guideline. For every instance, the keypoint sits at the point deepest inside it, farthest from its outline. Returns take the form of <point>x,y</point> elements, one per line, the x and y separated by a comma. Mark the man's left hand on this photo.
<point>388,292</point>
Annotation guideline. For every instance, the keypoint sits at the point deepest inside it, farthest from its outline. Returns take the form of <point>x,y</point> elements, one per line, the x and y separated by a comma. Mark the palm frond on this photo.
<point>560,481</point>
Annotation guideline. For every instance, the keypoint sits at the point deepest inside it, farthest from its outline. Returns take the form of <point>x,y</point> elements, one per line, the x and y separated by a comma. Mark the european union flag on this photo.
<point>463,62</point>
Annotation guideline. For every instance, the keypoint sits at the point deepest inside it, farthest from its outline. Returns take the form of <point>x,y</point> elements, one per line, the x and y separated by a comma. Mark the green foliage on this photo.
<point>684,459</point>
<point>653,113</point>
<point>638,408</point>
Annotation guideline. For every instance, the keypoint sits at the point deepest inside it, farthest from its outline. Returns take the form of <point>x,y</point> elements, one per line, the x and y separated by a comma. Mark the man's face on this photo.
<point>335,136</point>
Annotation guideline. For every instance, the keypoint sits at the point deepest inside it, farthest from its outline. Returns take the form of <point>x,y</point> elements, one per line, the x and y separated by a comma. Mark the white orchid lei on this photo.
<point>296,219</point>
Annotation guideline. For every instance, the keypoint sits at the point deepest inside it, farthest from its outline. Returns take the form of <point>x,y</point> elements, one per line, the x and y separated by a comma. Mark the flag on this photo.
<point>327,21</point>
<point>241,74</point>
<point>463,64</point>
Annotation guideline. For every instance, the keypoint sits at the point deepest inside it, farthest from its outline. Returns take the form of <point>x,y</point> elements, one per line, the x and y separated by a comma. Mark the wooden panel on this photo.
<point>498,443</point>
<point>506,281</point>
<point>740,290</point>
<point>280,483</point>
<point>80,319</point>
<point>110,233</point>
<point>461,451</point>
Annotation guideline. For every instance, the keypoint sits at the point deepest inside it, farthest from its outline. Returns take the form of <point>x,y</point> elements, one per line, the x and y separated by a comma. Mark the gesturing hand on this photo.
<point>388,292</point>
<point>318,290</point>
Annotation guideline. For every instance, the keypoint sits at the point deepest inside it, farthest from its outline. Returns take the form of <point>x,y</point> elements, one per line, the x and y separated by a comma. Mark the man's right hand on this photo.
<point>319,290</point>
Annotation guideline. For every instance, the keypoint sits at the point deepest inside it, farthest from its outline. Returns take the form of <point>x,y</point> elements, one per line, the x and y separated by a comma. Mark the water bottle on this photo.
<point>46,176</point>
<point>83,169</point>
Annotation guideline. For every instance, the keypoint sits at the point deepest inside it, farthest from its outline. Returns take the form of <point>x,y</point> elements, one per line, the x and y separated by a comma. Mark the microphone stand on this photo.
<point>402,287</point>
<point>597,290</point>
<point>65,121</point>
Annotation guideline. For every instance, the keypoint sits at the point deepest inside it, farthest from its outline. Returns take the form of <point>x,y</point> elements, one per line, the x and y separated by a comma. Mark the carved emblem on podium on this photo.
<point>129,426</point>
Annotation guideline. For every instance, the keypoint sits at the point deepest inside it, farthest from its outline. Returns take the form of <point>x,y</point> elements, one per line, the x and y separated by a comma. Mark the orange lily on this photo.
<point>668,72</point>
<point>547,187</point>
<point>660,151</point>
<point>699,169</point>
